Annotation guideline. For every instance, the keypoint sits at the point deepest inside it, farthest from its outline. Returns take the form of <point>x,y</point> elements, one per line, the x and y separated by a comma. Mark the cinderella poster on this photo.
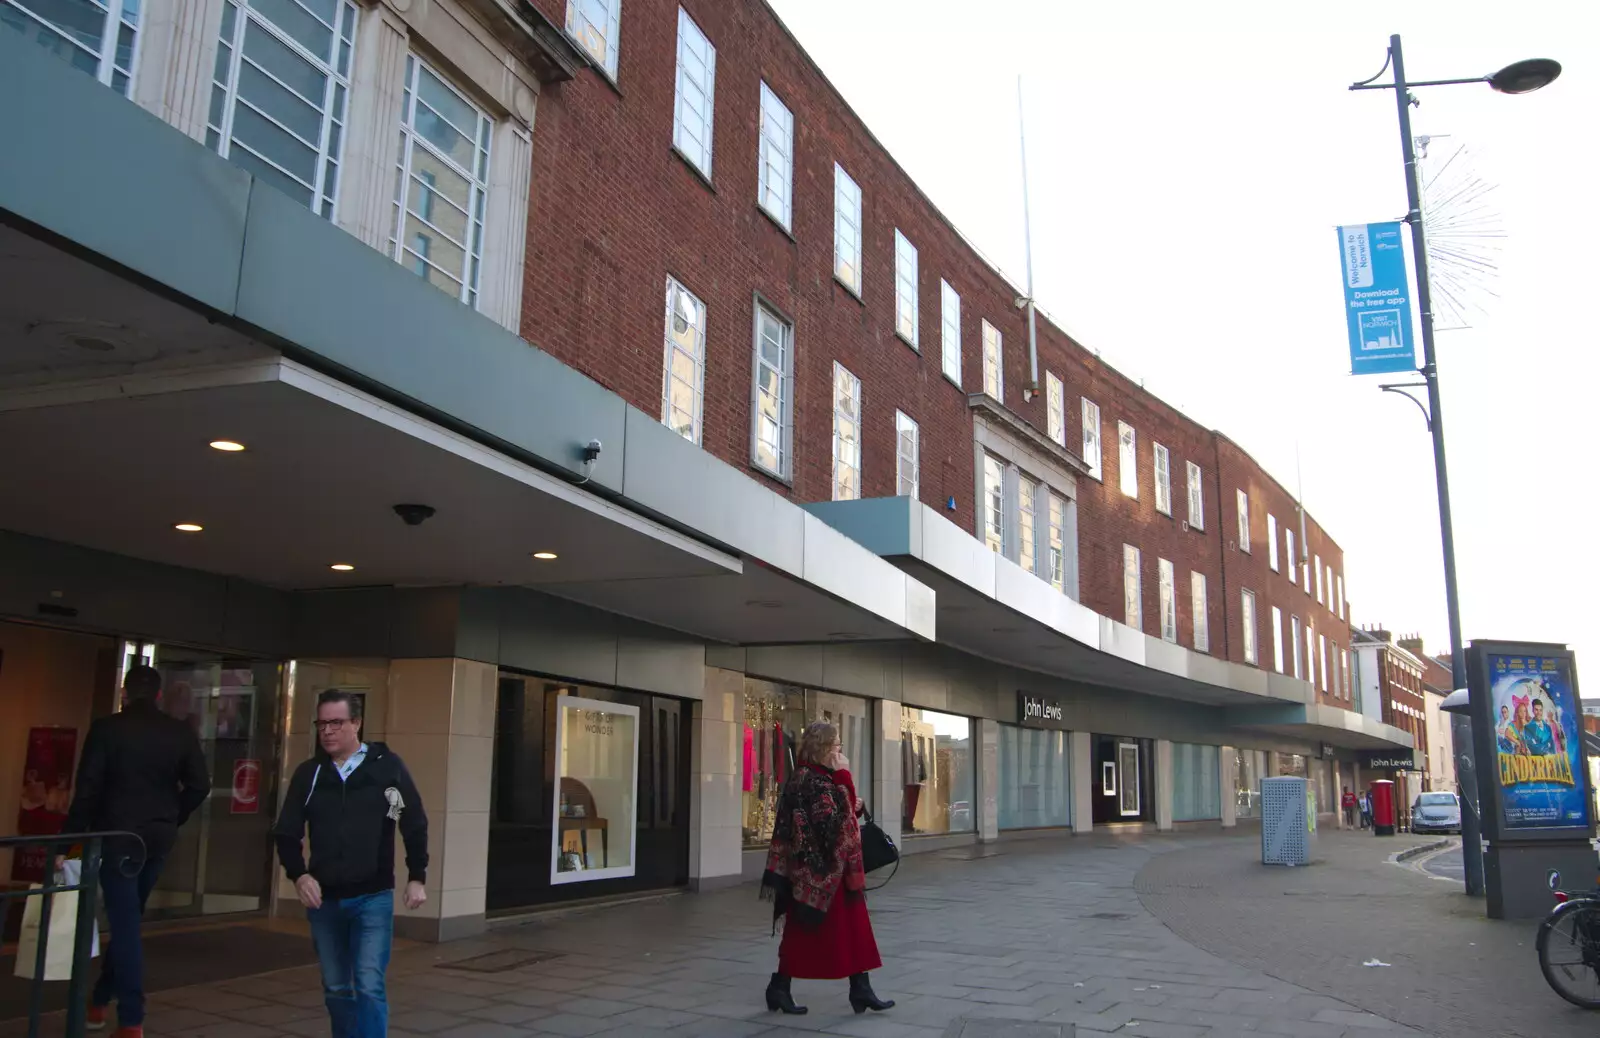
<point>1539,755</point>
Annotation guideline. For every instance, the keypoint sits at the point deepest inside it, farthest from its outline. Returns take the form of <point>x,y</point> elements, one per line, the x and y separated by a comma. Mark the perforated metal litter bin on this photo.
<point>1288,821</point>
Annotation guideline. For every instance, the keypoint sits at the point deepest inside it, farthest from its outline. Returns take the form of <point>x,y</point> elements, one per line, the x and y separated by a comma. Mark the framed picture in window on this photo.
<point>597,780</point>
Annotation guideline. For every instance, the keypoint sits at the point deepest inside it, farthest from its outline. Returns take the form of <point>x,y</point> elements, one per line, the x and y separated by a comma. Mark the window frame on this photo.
<point>1168,600</point>
<point>1055,401</point>
<point>950,322</point>
<point>904,423</point>
<point>785,372</point>
<point>1056,525</point>
<point>476,215</point>
<point>118,15</point>
<point>769,157</point>
<point>1250,643</point>
<point>1161,468</point>
<point>994,363</point>
<point>1340,596</point>
<point>1277,639</point>
<point>1028,522</point>
<point>1322,654</point>
<point>334,106</point>
<point>846,190</point>
<point>1200,616</point>
<point>1290,567</point>
<point>1242,506</point>
<point>1272,542</point>
<point>1316,570</point>
<point>698,157</point>
<point>992,515</point>
<point>1197,497</point>
<point>905,291</point>
<point>846,382</point>
<point>1128,459</point>
<point>1132,591</point>
<point>672,349</point>
<point>611,40</point>
<point>1296,625</point>
<point>1093,445</point>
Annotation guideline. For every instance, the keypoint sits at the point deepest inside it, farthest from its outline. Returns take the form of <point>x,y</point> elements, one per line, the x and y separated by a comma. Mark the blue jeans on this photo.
<point>122,965</point>
<point>353,937</point>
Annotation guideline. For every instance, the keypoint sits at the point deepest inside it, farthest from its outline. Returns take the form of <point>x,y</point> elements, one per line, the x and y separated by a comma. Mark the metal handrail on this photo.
<point>83,932</point>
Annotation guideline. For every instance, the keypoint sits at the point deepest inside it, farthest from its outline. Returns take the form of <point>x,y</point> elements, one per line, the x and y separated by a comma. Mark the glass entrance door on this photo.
<point>222,861</point>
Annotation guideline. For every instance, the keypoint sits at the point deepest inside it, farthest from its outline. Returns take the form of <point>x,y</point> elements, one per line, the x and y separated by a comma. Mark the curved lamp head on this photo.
<point>1524,77</point>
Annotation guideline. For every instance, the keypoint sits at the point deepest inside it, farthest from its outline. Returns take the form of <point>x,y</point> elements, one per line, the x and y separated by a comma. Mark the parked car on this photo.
<point>1436,813</point>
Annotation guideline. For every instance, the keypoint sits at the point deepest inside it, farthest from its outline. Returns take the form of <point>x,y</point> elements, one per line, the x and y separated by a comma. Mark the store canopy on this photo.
<point>175,301</point>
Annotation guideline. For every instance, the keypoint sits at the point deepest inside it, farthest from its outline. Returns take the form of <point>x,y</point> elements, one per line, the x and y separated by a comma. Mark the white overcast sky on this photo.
<point>1188,164</point>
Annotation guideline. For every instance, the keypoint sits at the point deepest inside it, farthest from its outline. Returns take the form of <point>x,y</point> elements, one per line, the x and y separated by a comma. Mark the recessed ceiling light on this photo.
<point>188,527</point>
<point>341,567</point>
<point>228,446</point>
<point>544,556</point>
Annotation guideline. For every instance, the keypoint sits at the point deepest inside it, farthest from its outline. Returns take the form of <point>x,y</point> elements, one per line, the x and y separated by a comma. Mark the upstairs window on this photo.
<point>1294,645</point>
<point>1272,542</point>
<point>1127,459</point>
<point>596,25</point>
<point>1201,621</point>
<point>1247,618</point>
<point>1288,553</point>
<point>1197,500</point>
<point>1091,438</point>
<point>1058,541</point>
<point>1277,639</point>
<point>1244,520</point>
<point>697,73</point>
<point>1163,469</point>
<point>908,473</point>
<point>1055,408</point>
<point>1027,538</point>
<point>683,381</point>
<point>994,504</point>
<point>777,158</point>
<point>846,434</point>
<point>846,230</point>
<point>1132,599</point>
<point>950,332</point>
<point>441,184</point>
<point>773,420</point>
<point>279,92</point>
<point>93,36</point>
<point>994,372</point>
<point>905,289</point>
<point>1169,602</point>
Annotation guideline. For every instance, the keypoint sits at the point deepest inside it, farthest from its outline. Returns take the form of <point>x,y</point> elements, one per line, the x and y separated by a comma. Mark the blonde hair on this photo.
<point>816,740</point>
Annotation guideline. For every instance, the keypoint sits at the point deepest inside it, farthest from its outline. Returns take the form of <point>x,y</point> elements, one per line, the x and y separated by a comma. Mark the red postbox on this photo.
<point>1383,808</point>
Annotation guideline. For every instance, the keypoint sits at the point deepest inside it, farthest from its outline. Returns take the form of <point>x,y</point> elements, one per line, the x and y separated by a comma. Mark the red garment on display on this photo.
<point>844,944</point>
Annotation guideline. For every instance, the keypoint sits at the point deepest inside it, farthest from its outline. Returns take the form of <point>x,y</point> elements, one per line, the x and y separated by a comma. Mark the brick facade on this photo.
<point>615,210</point>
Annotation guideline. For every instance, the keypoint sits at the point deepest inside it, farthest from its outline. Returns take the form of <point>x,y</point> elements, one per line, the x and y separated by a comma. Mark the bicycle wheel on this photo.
<point>1569,952</point>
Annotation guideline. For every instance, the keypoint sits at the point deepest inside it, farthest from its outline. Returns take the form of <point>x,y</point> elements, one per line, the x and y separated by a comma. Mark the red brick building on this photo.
<point>638,195</point>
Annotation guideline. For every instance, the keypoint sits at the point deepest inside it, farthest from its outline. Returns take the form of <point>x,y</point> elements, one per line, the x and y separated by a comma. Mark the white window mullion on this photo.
<point>994,364</point>
<point>905,289</point>
<point>950,331</point>
<point>846,434</point>
<point>1091,439</point>
<point>776,158</point>
<point>846,230</point>
<point>1169,601</point>
<point>1128,459</point>
<point>1132,594</point>
<point>1200,619</point>
<point>685,338</point>
<point>908,448</point>
<point>1055,408</point>
<point>697,76</point>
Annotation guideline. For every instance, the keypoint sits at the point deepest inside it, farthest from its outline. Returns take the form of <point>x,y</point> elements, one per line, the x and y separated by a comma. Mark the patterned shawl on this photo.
<point>816,846</point>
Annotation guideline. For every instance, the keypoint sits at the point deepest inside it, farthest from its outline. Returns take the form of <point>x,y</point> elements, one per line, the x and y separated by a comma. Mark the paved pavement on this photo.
<point>1025,940</point>
<point>1448,970</point>
<point>1446,864</point>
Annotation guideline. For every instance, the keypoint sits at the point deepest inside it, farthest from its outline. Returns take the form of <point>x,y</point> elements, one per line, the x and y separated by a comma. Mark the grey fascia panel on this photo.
<point>323,292</point>
<point>882,525</point>
<point>87,164</point>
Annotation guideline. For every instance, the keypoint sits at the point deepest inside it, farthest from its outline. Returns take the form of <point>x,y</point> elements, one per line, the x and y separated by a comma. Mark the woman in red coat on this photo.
<point>815,879</point>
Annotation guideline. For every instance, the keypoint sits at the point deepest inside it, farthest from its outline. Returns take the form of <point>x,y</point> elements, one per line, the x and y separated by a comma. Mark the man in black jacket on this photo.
<point>351,796</point>
<point>142,772</point>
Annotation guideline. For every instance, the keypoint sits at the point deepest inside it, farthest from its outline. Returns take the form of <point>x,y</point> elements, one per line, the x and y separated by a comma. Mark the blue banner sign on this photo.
<point>1377,298</point>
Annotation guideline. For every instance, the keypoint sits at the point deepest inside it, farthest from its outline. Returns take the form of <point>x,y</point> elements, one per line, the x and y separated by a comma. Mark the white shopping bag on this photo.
<point>63,923</point>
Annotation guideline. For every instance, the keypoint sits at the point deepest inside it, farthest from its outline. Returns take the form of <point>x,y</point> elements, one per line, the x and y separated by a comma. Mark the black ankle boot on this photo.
<point>779,998</point>
<point>862,997</point>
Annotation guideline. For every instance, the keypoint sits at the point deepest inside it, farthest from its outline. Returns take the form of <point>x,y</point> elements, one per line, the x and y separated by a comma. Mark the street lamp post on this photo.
<point>1520,78</point>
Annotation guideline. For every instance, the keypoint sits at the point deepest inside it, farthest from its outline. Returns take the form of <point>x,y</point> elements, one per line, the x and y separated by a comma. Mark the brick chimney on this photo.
<point>1412,643</point>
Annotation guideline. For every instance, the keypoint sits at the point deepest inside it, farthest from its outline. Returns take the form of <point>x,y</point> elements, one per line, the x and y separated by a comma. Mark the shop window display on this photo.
<point>1249,766</point>
<point>936,767</point>
<point>1035,788</point>
<point>597,772</point>
<point>774,715</point>
<point>1195,783</point>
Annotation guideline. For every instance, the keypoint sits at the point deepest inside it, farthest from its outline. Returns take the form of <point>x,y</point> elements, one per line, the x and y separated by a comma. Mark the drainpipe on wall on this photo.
<point>1032,387</point>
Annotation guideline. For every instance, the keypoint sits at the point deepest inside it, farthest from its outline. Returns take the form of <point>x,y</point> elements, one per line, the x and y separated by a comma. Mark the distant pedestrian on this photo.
<point>1348,802</point>
<point>351,796</point>
<point>1366,810</point>
<point>815,878</point>
<point>142,772</point>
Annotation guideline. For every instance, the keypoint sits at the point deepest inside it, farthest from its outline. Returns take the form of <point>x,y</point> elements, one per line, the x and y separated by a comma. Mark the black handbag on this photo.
<point>877,849</point>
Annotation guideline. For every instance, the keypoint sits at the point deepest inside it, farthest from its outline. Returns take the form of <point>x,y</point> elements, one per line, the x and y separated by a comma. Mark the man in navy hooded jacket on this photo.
<point>351,796</point>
